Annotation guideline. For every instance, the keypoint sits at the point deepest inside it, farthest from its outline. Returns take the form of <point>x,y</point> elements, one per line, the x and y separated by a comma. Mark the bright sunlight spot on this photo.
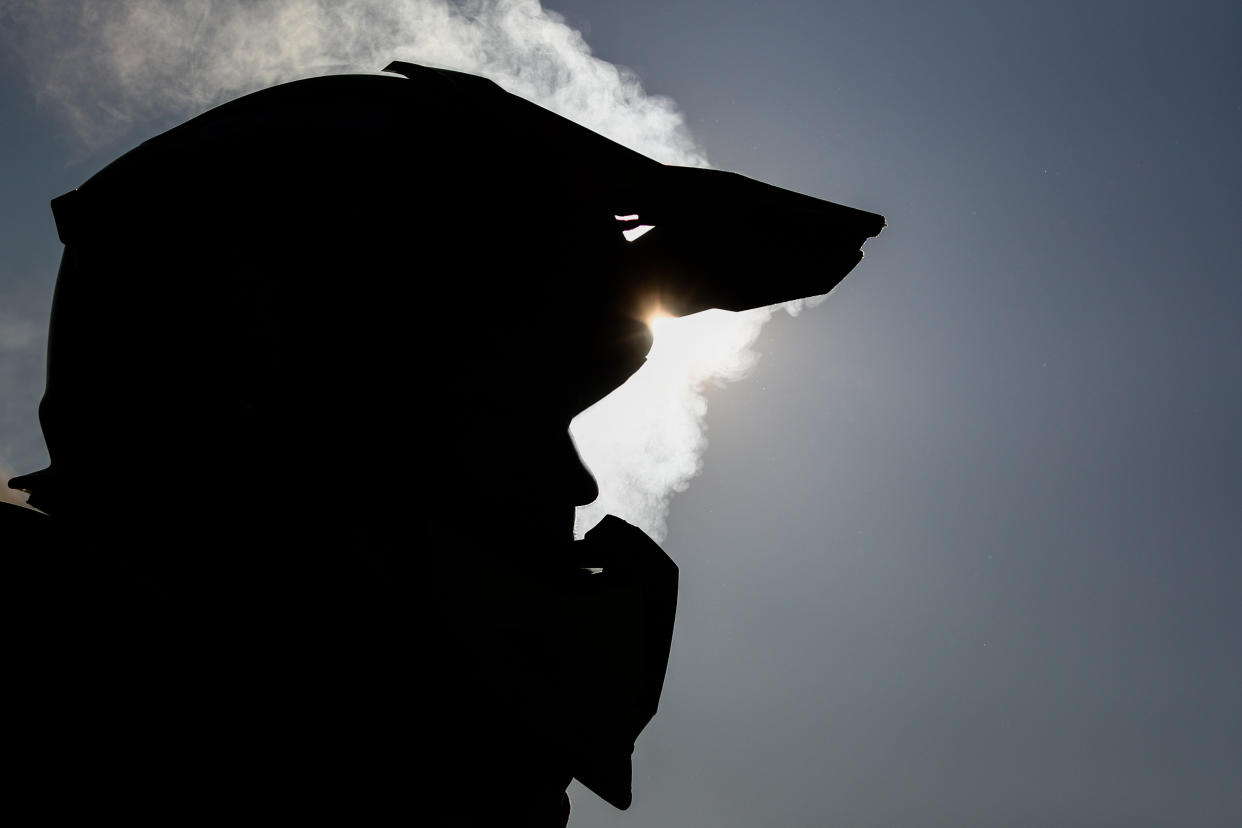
<point>658,319</point>
<point>645,441</point>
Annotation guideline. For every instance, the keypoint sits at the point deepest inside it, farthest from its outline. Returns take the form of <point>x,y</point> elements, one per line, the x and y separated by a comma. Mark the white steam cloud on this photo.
<point>107,65</point>
<point>111,67</point>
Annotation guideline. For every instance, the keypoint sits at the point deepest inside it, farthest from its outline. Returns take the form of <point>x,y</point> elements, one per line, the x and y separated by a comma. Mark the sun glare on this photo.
<point>645,440</point>
<point>708,343</point>
<point>658,320</point>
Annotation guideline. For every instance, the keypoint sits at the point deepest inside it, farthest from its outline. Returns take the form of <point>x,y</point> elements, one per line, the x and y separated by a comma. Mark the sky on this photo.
<point>964,547</point>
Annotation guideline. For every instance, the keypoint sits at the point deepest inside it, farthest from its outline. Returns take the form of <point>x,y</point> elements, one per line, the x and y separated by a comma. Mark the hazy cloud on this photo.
<point>106,65</point>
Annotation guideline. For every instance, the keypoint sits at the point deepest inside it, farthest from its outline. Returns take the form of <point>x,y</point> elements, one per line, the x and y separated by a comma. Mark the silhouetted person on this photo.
<point>309,548</point>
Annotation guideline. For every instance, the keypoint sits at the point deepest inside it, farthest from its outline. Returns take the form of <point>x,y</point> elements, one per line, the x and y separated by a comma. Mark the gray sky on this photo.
<point>965,547</point>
